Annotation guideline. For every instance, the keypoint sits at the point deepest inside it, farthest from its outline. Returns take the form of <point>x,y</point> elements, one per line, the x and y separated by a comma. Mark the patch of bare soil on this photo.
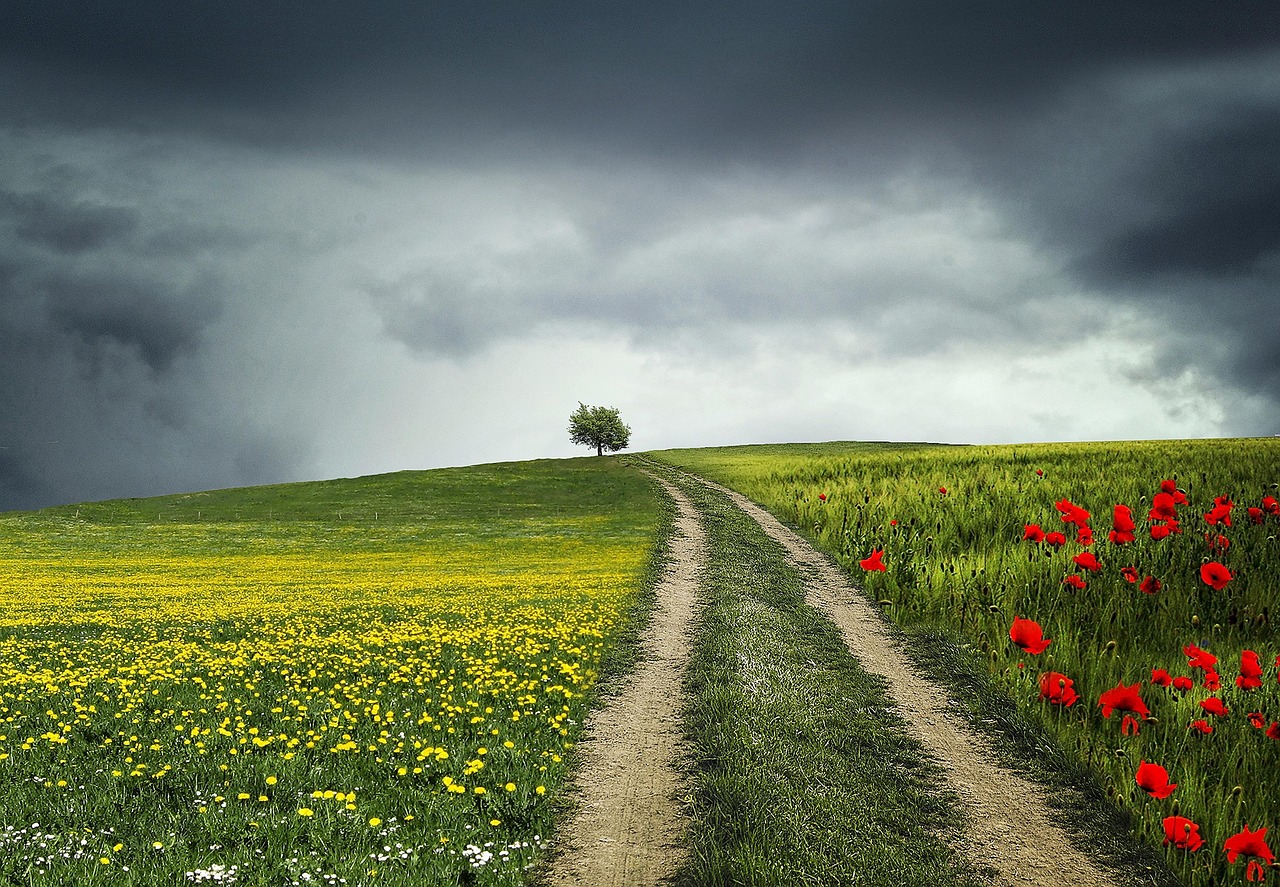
<point>627,826</point>
<point>1011,829</point>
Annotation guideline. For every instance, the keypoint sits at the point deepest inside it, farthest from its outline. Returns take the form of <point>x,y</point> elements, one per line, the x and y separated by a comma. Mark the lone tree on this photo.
<point>598,427</point>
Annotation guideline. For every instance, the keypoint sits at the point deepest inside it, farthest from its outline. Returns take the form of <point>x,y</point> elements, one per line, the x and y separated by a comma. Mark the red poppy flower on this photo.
<point>942,490</point>
<point>1154,780</point>
<point>1057,688</point>
<point>1123,698</point>
<point>1075,582</point>
<point>1270,505</point>
<point>1162,507</point>
<point>1213,705</point>
<point>1122,518</point>
<point>1028,635</point>
<point>1084,536</point>
<point>1171,488</point>
<point>1253,845</point>
<point>1160,677</point>
<point>1159,531</point>
<point>1257,720</point>
<point>1055,539</point>
<point>1182,833</point>
<point>1149,585</point>
<point>873,564</point>
<point>1130,574</point>
<point>1220,543</point>
<point>1121,526</point>
<point>1033,533</point>
<point>1197,658</point>
<point>1201,726</point>
<point>1039,472</point>
<point>1250,677</point>
<point>1183,683</point>
<point>1071,513</point>
<point>894,522</point>
<point>1212,681</point>
<point>1273,732</point>
<point>1087,561</point>
<point>1220,513</point>
<point>1215,575</point>
<point>822,497</point>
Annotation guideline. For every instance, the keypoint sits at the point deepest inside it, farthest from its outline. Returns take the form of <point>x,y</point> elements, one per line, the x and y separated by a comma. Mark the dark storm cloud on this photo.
<point>1202,246</point>
<point>1218,194</point>
<point>736,77</point>
<point>67,228</point>
<point>100,394</point>
<point>681,170</point>
<point>104,314</point>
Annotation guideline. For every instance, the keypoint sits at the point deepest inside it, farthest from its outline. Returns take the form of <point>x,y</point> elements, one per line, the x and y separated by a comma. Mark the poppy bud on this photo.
<point>1111,645</point>
<point>1195,620</point>
<point>886,603</point>
<point>993,609</point>
<point>1237,791</point>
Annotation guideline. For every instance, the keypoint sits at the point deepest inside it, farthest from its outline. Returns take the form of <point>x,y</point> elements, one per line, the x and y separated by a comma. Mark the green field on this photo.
<point>382,680</point>
<point>368,681</point>
<point>950,524</point>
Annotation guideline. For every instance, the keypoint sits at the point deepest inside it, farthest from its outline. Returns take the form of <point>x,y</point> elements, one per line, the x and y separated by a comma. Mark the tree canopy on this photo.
<point>599,427</point>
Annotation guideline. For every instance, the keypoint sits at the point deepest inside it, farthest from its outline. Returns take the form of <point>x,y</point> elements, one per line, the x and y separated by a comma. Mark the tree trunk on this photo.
<point>599,449</point>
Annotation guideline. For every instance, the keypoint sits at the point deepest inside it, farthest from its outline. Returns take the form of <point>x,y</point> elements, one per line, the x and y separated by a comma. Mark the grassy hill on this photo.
<point>954,543</point>
<point>377,679</point>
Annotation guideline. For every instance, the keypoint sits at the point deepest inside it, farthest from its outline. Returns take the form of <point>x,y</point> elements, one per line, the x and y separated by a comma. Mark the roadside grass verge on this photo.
<point>950,524</point>
<point>365,681</point>
<point>803,772</point>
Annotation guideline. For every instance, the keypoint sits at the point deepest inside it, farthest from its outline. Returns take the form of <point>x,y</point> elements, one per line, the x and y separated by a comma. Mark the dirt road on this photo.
<point>628,824</point>
<point>1011,829</point>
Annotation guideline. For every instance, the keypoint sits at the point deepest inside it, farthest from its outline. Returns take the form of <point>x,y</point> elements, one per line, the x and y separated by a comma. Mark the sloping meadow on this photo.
<point>1122,594</point>
<point>370,681</point>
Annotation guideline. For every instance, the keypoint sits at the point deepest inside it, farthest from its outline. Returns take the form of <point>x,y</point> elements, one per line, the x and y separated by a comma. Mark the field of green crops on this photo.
<point>362,682</point>
<point>1120,593</point>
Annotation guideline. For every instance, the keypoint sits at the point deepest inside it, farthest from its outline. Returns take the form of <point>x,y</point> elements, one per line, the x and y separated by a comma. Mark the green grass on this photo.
<point>804,774</point>
<point>957,566</point>
<point>190,671</point>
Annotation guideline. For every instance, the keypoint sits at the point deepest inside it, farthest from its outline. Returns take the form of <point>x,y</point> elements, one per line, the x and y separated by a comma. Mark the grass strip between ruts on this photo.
<point>803,771</point>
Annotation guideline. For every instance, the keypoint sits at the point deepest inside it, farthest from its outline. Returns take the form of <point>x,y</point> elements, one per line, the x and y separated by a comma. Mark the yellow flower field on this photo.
<point>323,704</point>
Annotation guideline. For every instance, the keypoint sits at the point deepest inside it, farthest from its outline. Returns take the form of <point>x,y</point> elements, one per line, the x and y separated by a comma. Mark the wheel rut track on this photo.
<point>627,826</point>
<point>1011,828</point>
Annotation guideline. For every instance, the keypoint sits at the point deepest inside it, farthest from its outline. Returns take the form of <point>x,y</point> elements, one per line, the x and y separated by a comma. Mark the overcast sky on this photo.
<point>247,242</point>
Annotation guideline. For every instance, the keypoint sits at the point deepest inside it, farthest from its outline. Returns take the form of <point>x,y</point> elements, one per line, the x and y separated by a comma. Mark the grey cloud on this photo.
<point>709,78</point>
<point>1222,237</point>
<point>140,316</point>
<point>441,314</point>
<point>181,239</point>
<point>72,228</point>
<point>105,357</point>
<point>1218,195</point>
<point>931,181</point>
